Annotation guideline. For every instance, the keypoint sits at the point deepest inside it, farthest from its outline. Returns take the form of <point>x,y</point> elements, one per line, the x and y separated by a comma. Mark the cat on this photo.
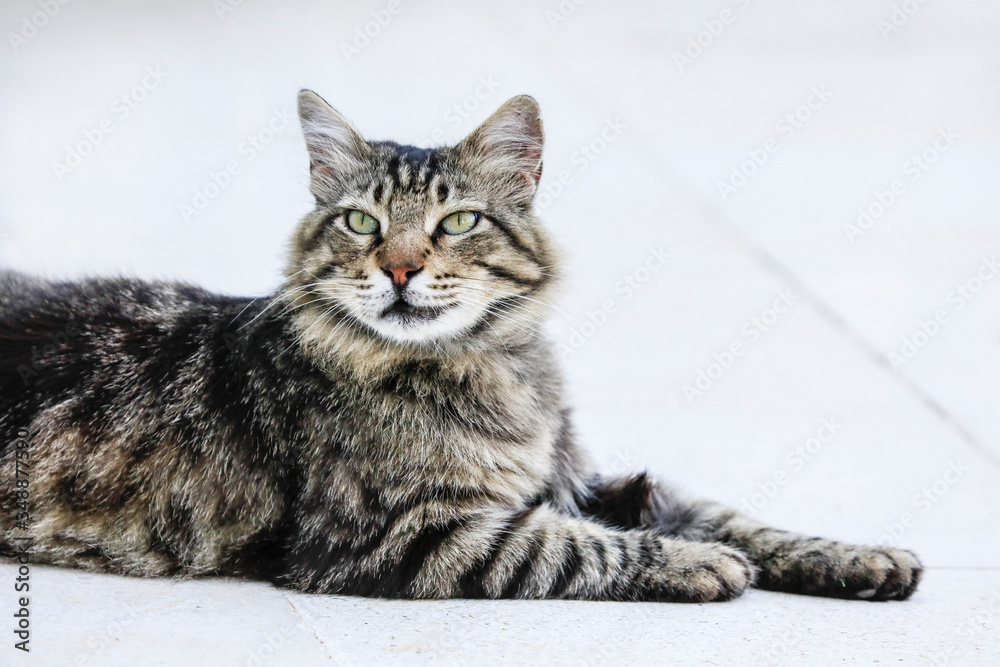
<point>389,423</point>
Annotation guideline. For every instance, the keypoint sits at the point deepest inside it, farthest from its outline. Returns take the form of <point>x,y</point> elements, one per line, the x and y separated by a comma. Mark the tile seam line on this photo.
<point>772,265</point>
<point>721,221</point>
<point>295,610</point>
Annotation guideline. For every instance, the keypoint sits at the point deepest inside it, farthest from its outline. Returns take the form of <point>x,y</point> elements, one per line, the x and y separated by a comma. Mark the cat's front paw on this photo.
<point>700,572</point>
<point>882,574</point>
<point>844,571</point>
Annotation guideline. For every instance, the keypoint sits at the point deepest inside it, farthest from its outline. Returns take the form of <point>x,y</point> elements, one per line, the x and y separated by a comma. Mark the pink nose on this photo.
<point>401,275</point>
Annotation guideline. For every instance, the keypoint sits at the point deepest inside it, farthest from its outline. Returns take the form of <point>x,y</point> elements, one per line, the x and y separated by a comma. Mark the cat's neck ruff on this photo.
<point>338,342</point>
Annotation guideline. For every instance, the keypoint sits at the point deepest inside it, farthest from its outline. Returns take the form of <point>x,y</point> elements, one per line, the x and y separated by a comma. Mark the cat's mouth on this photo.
<point>404,312</point>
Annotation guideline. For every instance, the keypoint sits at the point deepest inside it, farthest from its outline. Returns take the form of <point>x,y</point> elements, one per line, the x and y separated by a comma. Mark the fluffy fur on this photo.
<point>358,434</point>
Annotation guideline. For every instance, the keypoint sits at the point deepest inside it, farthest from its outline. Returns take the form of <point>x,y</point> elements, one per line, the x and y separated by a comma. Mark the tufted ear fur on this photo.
<point>509,144</point>
<point>335,147</point>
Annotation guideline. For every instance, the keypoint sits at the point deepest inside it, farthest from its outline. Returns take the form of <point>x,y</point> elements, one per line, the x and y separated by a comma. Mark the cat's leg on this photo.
<point>538,552</point>
<point>787,561</point>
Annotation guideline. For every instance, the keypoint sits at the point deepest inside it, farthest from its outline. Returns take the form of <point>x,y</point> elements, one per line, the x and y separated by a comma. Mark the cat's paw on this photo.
<point>882,574</point>
<point>700,572</point>
<point>844,571</point>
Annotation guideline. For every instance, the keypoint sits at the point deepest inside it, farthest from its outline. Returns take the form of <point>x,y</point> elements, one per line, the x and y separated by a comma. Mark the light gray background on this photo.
<point>681,130</point>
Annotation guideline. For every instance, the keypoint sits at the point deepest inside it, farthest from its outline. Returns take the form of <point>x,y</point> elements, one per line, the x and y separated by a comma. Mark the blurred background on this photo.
<point>780,219</point>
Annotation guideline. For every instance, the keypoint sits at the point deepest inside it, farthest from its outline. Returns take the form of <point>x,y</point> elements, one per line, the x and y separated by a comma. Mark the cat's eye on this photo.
<point>362,223</point>
<point>459,223</point>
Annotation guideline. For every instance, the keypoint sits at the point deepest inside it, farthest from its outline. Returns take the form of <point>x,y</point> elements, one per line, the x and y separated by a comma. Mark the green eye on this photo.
<point>459,223</point>
<point>362,223</point>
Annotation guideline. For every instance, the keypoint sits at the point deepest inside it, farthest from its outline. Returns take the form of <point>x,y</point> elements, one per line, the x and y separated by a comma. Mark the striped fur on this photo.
<point>349,434</point>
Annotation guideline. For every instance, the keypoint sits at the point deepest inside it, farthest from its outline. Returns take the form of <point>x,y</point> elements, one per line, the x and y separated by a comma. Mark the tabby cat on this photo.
<point>389,423</point>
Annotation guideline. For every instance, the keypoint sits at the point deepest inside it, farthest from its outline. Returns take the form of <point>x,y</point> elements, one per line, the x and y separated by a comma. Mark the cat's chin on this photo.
<point>408,324</point>
<point>406,314</point>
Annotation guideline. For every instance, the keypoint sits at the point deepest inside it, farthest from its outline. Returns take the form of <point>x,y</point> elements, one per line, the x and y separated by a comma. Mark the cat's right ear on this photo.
<point>335,148</point>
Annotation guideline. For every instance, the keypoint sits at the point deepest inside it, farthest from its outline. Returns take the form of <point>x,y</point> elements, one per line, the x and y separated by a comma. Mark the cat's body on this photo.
<point>177,431</point>
<point>390,423</point>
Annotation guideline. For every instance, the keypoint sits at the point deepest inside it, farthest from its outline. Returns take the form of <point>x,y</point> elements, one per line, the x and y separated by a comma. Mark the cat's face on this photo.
<point>421,246</point>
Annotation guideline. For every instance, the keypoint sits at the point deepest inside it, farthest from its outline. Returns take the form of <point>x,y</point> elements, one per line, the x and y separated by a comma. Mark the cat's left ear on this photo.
<point>509,143</point>
<point>335,148</point>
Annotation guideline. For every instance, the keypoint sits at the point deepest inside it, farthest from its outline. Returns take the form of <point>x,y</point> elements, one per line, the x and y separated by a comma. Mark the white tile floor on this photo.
<point>679,133</point>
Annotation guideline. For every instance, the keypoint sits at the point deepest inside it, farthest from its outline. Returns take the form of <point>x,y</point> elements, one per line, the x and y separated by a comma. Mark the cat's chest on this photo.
<point>490,428</point>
